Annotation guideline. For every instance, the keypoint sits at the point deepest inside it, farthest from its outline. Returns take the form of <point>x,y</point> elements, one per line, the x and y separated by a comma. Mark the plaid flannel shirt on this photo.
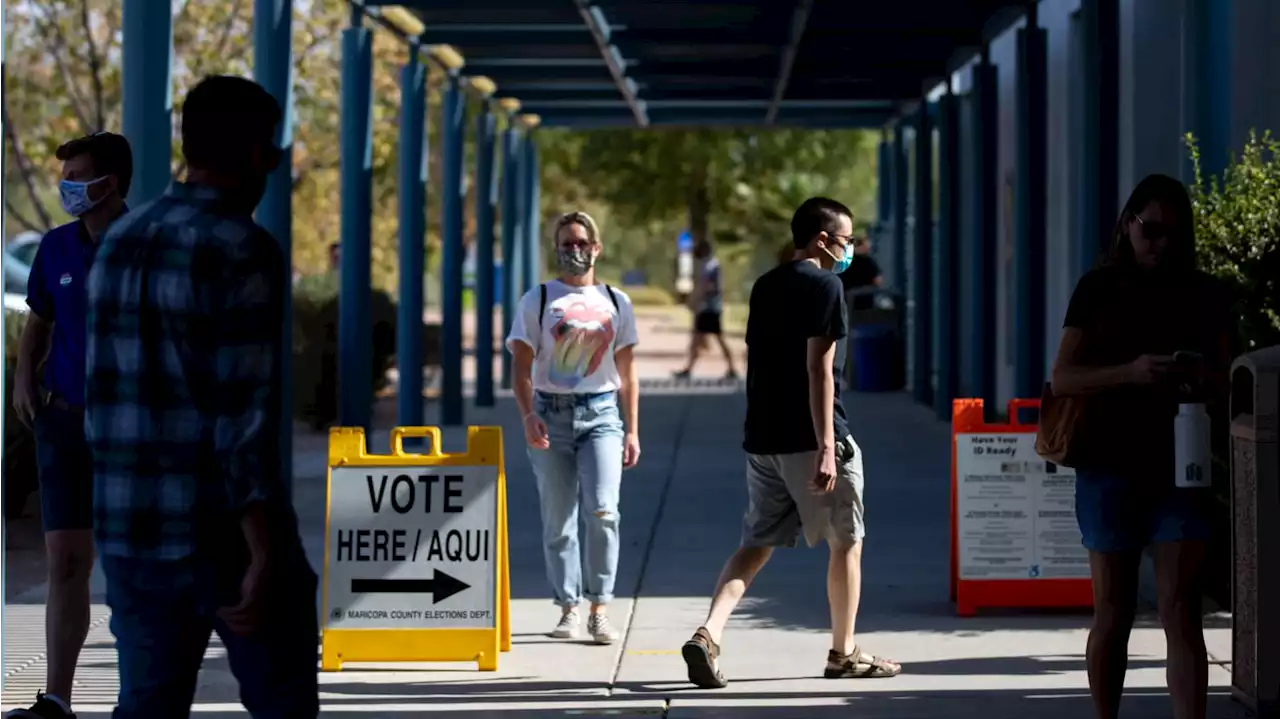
<point>184,327</point>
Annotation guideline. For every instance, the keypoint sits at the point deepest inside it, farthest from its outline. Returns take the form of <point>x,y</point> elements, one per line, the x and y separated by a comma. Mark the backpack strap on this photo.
<point>542,306</point>
<point>613,298</point>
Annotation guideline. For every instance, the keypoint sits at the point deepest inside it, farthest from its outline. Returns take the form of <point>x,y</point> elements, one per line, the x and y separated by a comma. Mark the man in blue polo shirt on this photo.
<point>48,394</point>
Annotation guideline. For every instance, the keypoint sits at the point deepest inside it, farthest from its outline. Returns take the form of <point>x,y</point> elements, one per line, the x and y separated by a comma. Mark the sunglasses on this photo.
<point>1152,230</point>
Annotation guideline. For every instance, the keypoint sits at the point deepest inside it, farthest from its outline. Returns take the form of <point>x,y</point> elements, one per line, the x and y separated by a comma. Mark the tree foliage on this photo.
<point>64,80</point>
<point>727,184</point>
<point>1238,233</point>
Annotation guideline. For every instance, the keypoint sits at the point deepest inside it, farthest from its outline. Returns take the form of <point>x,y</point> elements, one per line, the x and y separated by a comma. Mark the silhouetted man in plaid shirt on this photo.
<point>192,520</point>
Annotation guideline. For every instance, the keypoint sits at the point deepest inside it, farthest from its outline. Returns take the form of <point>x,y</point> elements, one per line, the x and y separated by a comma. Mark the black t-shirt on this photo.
<point>1124,314</point>
<point>790,304</point>
<point>862,272</point>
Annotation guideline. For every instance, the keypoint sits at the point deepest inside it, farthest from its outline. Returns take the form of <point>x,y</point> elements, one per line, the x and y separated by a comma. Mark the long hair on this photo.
<point>1181,252</point>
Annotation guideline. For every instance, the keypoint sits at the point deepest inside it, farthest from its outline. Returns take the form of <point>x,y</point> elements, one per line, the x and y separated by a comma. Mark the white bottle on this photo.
<point>1192,450</point>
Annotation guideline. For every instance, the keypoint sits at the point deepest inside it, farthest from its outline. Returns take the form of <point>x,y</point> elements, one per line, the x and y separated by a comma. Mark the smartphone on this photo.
<point>1187,360</point>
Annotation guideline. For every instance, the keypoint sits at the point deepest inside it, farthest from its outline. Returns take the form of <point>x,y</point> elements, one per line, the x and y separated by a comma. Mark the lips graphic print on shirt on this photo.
<point>583,333</point>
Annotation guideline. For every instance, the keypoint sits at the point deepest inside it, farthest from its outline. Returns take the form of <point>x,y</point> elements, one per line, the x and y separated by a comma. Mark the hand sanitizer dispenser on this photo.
<point>1193,451</point>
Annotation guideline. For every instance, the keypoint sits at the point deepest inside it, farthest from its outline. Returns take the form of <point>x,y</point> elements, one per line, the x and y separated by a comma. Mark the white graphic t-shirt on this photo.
<point>581,330</point>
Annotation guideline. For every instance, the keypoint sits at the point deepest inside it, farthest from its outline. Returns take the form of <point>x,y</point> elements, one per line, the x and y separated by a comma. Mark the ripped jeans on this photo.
<point>581,470</point>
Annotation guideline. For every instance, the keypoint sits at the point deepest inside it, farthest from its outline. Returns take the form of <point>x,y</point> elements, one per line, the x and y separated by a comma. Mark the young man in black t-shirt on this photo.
<point>804,471</point>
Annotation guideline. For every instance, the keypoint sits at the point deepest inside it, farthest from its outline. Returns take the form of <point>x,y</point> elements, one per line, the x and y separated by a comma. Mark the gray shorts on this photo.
<point>780,501</point>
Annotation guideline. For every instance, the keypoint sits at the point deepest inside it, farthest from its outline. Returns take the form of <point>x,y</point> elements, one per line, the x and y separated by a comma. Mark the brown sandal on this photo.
<point>700,655</point>
<point>854,666</point>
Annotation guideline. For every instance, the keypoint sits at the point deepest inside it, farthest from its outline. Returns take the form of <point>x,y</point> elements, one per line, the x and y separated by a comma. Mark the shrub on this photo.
<point>315,346</point>
<point>1238,234</point>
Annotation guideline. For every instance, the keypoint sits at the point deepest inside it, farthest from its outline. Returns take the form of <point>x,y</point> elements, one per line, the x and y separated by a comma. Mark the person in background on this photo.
<point>193,521</point>
<point>708,307</point>
<point>863,270</point>
<point>1125,322</point>
<point>96,173</point>
<point>804,469</point>
<point>572,341</point>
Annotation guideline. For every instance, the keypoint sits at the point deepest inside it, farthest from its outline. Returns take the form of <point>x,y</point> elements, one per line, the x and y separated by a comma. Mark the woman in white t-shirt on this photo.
<point>572,340</point>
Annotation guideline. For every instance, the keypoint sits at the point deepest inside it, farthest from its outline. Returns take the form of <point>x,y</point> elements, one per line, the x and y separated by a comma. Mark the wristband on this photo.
<point>527,416</point>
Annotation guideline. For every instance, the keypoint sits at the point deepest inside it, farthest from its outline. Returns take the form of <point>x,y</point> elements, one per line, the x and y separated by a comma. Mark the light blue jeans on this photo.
<point>581,469</point>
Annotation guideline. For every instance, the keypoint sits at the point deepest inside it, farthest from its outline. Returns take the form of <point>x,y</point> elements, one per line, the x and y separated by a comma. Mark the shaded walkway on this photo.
<point>681,511</point>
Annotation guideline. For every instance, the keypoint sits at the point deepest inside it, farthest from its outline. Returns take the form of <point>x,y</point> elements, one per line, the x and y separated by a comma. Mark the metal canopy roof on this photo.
<point>808,63</point>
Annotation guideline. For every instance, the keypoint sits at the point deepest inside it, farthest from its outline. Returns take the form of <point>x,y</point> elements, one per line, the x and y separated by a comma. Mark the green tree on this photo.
<point>737,187</point>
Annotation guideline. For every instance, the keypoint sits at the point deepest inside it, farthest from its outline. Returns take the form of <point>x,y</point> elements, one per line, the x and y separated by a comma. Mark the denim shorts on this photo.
<point>1119,513</point>
<point>65,464</point>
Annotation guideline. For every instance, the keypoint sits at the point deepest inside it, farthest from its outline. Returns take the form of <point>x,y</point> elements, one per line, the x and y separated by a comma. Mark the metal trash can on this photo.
<point>1255,542</point>
<point>874,307</point>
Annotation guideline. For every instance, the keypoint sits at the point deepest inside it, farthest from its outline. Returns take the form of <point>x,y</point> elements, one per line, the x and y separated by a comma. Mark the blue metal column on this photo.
<point>510,223</point>
<point>273,69</point>
<point>982,256</point>
<point>453,135</point>
<point>413,230</point>
<point>147,48</point>
<point>1097,188</point>
<point>486,196</point>
<point>533,222</point>
<point>898,258</point>
<point>1031,133</point>
<point>946,299</point>
<point>355,335</point>
<point>922,274</point>
<point>1211,22</point>
<point>520,205</point>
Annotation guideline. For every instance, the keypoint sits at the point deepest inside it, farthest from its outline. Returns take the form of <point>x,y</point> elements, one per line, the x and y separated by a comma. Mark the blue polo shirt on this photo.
<point>56,293</point>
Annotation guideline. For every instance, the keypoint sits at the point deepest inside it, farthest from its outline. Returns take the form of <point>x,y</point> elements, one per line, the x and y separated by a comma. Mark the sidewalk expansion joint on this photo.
<point>681,424</point>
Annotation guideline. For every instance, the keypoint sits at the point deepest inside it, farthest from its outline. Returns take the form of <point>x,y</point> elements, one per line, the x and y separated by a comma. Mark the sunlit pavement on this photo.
<point>681,512</point>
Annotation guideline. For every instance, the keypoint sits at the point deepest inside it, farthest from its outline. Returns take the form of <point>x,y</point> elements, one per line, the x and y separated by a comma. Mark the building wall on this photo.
<point>1210,67</point>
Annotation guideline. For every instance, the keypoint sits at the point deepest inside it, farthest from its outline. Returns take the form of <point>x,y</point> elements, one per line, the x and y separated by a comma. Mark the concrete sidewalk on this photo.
<point>681,513</point>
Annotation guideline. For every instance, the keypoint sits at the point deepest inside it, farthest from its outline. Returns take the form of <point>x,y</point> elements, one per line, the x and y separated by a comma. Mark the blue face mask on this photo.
<point>842,264</point>
<point>75,196</point>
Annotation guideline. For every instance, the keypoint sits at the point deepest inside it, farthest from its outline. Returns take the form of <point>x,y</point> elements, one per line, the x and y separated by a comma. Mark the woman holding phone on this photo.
<point>1143,331</point>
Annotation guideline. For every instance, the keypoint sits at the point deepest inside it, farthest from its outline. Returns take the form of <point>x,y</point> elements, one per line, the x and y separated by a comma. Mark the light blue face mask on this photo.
<point>842,264</point>
<point>75,196</point>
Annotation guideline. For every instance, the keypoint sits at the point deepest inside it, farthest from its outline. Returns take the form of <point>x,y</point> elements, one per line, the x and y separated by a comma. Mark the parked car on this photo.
<point>20,253</point>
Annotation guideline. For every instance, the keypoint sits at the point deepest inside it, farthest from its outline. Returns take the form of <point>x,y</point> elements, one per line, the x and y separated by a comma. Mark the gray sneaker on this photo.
<point>568,626</point>
<point>601,629</point>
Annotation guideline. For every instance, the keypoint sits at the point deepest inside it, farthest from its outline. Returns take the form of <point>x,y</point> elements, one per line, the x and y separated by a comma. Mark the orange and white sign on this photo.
<point>1014,538</point>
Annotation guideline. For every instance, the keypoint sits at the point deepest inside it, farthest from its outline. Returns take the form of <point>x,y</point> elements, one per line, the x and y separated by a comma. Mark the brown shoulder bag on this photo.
<point>1059,436</point>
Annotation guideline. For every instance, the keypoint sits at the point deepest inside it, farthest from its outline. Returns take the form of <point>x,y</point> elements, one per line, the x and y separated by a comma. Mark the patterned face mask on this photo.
<point>577,260</point>
<point>75,196</point>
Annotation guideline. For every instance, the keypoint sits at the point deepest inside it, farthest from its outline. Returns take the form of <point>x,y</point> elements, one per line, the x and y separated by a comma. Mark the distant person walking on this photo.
<point>1124,325</point>
<point>708,311</point>
<point>804,470</point>
<point>575,383</point>
<point>194,523</point>
<point>96,173</point>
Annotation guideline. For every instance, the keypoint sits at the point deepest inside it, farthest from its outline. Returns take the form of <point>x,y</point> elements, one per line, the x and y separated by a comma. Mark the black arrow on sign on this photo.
<point>440,587</point>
